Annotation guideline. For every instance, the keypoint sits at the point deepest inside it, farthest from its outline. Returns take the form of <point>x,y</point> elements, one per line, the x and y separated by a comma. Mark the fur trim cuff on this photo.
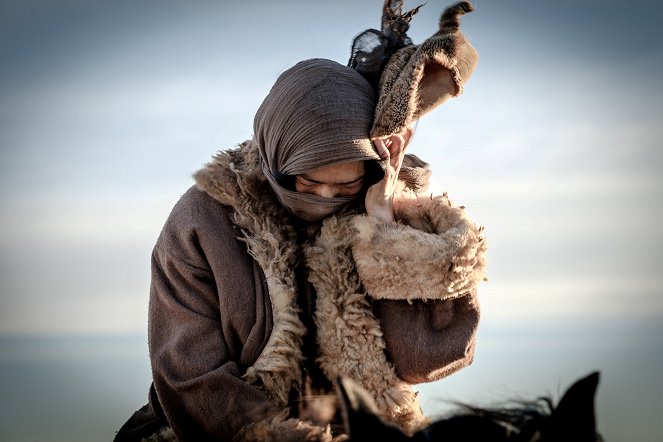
<point>433,252</point>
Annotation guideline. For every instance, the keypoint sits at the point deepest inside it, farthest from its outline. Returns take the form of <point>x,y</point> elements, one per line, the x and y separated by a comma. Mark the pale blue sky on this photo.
<point>107,109</point>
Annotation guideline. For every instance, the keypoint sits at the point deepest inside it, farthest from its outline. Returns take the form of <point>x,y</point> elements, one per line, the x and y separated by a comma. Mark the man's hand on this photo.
<point>380,196</point>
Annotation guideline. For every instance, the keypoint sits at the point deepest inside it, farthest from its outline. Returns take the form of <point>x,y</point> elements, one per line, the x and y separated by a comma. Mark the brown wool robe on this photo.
<point>249,316</point>
<point>224,331</point>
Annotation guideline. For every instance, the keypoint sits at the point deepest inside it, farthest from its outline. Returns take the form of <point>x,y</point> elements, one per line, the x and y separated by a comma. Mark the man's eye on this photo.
<point>353,185</point>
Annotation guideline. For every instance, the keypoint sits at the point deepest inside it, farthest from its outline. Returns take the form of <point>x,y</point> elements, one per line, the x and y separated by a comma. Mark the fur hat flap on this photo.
<point>419,78</point>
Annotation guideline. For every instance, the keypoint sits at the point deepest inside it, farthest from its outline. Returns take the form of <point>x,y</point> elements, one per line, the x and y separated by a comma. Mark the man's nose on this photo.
<point>326,191</point>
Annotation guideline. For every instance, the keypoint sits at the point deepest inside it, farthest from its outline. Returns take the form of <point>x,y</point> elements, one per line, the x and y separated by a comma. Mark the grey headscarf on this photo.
<point>318,113</point>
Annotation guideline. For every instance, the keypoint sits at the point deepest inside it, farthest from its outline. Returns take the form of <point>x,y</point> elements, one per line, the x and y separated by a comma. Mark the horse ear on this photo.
<point>574,419</point>
<point>360,414</point>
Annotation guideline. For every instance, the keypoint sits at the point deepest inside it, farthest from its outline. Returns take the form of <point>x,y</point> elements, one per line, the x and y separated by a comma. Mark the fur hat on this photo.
<point>413,79</point>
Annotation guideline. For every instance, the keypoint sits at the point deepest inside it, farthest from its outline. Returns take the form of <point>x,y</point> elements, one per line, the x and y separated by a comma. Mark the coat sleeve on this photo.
<point>426,341</point>
<point>422,275</point>
<point>208,320</point>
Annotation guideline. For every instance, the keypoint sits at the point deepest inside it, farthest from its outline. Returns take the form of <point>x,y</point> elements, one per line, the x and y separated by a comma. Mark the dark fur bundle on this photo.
<point>372,49</point>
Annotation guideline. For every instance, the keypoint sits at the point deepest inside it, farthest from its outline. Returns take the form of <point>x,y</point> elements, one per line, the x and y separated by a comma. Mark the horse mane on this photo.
<point>514,420</point>
<point>539,420</point>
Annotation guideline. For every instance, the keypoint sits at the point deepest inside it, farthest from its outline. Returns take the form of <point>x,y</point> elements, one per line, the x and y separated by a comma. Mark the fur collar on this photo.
<point>234,178</point>
<point>347,261</point>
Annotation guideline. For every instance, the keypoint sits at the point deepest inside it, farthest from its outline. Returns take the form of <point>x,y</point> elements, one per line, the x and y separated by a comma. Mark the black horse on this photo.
<point>572,420</point>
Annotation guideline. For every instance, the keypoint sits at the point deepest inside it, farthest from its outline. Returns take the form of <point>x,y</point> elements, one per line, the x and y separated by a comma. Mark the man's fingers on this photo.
<point>382,149</point>
<point>397,145</point>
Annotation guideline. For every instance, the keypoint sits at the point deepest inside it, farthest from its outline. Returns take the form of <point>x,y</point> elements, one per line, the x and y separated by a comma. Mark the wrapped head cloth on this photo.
<point>318,113</point>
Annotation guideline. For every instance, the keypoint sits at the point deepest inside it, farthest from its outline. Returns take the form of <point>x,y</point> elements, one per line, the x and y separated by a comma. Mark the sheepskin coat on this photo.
<point>389,305</point>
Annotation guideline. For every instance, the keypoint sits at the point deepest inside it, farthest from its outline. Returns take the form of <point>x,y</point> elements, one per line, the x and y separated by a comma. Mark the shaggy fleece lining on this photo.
<point>349,336</point>
<point>281,429</point>
<point>271,242</point>
<point>166,434</point>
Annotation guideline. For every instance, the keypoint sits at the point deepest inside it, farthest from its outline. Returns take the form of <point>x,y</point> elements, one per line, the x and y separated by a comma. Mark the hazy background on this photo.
<point>107,108</point>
